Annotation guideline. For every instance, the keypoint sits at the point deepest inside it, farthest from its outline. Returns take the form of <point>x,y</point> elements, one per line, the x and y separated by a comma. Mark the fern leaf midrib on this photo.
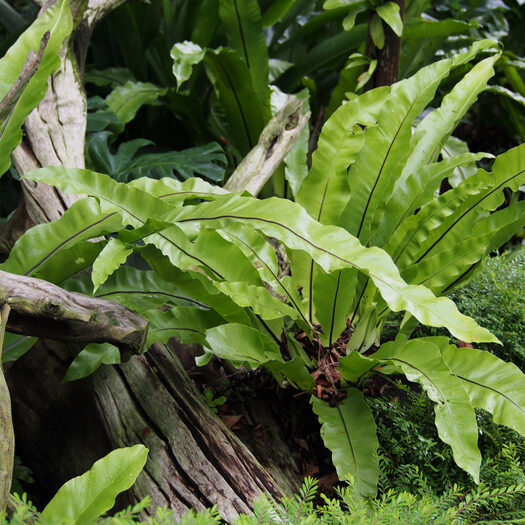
<point>442,236</point>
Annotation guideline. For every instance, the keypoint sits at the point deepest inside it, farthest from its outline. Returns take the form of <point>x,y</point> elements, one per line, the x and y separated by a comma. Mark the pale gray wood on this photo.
<point>41,309</point>
<point>275,142</point>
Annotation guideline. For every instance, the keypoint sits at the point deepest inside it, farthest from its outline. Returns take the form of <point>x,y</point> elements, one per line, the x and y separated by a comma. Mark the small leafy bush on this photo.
<point>496,298</point>
<point>454,507</point>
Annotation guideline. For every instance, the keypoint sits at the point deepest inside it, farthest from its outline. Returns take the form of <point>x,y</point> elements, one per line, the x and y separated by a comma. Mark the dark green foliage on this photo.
<point>412,456</point>
<point>454,507</point>
<point>496,299</point>
<point>129,162</point>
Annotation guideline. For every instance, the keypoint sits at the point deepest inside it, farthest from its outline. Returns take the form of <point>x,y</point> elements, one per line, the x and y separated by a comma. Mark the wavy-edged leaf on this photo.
<point>186,323</point>
<point>139,290</point>
<point>83,499</point>
<point>416,229</point>
<point>185,56</point>
<point>57,20</point>
<point>333,298</point>
<point>389,13</point>
<point>491,384</point>
<point>354,366</point>
<point>447,268</point>
<point>194,285</point>
<point>172,190</point>
<point>90,358</point>
<point>84,220</point>
<point>294,371</point>
<point>418,189</point>
<point>242,23</point>
<point>264,258</point>
<point>381,161</point>
<point>325,191</point>
<point>16,346</point>
<point>437,126</point>
<point>110,259</point>
<point>258,298</point>
<point>67,262</point>
<point>242,345</point>
<point>421,362</point>
<point>127,99</point>
<point>233,86</point>
<point>349,432</point>
<point>508,171</point>
<point>331,247</point>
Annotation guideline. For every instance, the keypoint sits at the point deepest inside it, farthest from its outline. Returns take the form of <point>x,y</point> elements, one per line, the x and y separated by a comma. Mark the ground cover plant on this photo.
<point>302,287</point>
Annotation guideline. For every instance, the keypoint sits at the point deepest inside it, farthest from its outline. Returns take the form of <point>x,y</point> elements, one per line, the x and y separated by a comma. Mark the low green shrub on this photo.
<point>480,505</point>
<point>496,298</point>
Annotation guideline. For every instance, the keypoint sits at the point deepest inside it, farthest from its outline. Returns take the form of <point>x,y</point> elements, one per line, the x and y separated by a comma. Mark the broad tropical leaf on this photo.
<point>83,499</point>
<point>234,89</point>
<point>242,345</point>
<point>325,191</point>
<point>331,247</point>
<point>437,126</point>
<point>186,323</point>
<point>349,432</point>
<point>508,172</point>
<point>333,300</point>
<point>421,361</point>
<point>418,190</point>
<point>127,99</point>
<point>195,285</point>
<point>56,20</point>
<point>491,384</point>
<point>129,163</point>
<point>90,358</point>
<point>83,221</point>
<point>110,259</point>
<point>242,23</point>
<point>381,161</point>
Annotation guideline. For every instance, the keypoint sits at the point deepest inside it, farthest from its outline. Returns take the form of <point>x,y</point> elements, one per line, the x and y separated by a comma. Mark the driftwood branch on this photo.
<point>275,142</point>
<point>39,308</point>
<point>8,103</point>
<point>7,443</point>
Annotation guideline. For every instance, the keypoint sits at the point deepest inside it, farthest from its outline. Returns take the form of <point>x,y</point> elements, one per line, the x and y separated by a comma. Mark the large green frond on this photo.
<point>349,432</point>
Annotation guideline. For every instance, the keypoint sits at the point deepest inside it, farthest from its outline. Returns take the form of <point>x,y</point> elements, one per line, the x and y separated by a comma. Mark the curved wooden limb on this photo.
<point>275,142</point>
<point>7,437</point>
<point>39,308</point>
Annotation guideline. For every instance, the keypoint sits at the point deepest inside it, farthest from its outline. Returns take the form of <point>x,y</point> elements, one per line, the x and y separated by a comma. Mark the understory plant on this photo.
<point>84,499</point>
<point>455,506</point>
<point>303,288</point>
